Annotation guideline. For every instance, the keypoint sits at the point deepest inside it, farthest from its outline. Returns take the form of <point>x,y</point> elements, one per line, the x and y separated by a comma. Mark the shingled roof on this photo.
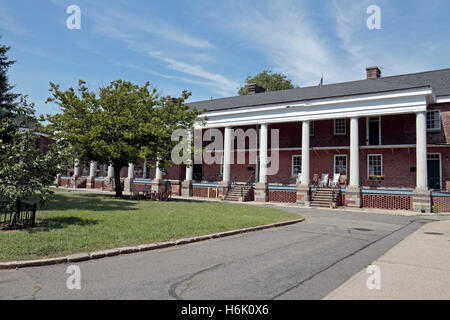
<point>439,80</point>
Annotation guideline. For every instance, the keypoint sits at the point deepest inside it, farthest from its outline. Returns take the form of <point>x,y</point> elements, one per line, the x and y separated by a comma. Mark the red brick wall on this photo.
<point>200,192</point>
<point>98,184</point>
<point>382,201</point>
<point>443,203</point>
<point>65,183</point>
<point>283,196</point>
<point>43,143</point>
<point>442,136</point>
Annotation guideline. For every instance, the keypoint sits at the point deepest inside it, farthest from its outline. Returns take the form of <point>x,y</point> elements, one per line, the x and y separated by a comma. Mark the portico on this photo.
<point>409,101</point>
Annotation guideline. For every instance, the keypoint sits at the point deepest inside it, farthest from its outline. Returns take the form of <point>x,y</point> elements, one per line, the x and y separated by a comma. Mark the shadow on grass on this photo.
<point>190,201</point>
<point>91,202</point>
<point>49,224</point>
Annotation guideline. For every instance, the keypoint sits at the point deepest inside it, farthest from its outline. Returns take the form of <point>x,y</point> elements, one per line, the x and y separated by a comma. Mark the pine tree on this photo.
<point>8,105</point>
<point>7,98</point>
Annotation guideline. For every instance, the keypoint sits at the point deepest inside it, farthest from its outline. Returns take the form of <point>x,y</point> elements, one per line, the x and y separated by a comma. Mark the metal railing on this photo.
<point>15,215</point>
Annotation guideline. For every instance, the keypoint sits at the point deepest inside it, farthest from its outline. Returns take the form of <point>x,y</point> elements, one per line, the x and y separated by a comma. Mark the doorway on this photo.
<point>197,172</point>
<point>434,170</point>
<point>373,131</point>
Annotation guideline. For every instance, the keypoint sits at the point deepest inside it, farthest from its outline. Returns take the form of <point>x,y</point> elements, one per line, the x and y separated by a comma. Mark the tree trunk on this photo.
<point>118,185</point>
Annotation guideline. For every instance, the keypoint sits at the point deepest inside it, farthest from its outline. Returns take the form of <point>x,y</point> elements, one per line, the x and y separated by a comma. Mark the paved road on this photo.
<point>302,261</point>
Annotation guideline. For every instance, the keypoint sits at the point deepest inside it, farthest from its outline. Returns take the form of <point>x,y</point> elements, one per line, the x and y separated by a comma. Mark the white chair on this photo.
<point>324,180</point>
<point>335,181</point>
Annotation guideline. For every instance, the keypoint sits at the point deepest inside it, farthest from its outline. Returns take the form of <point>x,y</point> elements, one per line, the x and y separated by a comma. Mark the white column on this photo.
<point>92,169</point>
<point>158,174</point>
<point>189,173</point>
<point>189,167</point>
<point>227,155</point>
<point>305,177</point>
<point>131,170</point>
<point>263,153</point>
<point>110,171</point>
<point>354,152</point>
<point>421,151</point>
<point>76,169</point>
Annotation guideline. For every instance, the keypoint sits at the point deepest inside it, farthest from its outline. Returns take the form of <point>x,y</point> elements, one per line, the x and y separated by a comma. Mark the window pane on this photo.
<point>339,126</point>
<point>433,120</point>
<point>296,165</point>
<point>340,164</point>
<point>375,165</point>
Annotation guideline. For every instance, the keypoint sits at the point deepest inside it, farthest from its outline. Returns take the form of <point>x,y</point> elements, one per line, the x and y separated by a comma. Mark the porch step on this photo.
<point>237,192</point>
<point>322,197</point>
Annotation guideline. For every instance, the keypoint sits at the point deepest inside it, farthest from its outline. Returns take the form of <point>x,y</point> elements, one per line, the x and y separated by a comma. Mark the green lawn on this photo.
<point>74,223</point>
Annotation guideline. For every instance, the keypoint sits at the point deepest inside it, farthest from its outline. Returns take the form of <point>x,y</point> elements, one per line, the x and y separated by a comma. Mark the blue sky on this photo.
<point>209,47</point>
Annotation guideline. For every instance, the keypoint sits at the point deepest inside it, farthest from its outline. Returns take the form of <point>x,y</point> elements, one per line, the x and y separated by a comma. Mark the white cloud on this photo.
<point>366,47</point>
<point>286,35</point>
<point>131,24</point>
<point>7,22</point>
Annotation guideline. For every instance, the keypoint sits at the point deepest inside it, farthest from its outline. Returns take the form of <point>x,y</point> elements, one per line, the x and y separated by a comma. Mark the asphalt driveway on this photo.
<point>301,261</point>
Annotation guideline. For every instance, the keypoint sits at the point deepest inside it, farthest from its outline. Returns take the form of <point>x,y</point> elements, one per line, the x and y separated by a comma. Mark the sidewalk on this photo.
<point>416,268</point>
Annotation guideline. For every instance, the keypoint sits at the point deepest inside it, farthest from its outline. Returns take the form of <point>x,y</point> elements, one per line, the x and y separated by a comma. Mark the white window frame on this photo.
<point>368,163</point>
<point>292,165</point>
<point>436,129</point>
<point>345,127</point>
<point>346,163</point>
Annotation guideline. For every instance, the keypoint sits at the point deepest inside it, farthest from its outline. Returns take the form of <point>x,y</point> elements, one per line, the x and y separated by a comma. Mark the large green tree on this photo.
<point>120,124</point>
<point>268,80</point>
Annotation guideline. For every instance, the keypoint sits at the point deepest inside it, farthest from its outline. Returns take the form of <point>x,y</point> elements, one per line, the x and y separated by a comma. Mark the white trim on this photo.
<point>382,165</point>
<point>391,146</point>
<point>398,102</point>
<point>440,166</point>
<point>442,99</point>
<point>292,165</point>
<point>346,163</point>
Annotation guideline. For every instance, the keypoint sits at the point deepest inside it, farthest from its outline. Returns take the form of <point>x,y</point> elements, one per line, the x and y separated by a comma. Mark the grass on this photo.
<point>75,223</point>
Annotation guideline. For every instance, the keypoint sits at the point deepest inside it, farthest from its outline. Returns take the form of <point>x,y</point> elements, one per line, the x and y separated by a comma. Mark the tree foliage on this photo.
<point>268,80</point>
<point>8,99</point>
<point>25,172</point>
<point>122,123</point>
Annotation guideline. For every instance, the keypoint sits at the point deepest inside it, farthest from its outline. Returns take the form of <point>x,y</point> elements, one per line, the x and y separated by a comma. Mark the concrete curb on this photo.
<point>140,248</point>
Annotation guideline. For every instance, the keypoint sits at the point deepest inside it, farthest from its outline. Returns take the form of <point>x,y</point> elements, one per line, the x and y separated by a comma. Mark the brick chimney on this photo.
<point>373,72</point>
<point>254,88</point>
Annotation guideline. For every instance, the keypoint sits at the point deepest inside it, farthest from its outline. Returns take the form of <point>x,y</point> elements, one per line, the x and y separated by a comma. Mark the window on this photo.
<point>311,129</point>
<point>340,164</point>
<point>375,164</point>
<point>433,120</point>
<point>339,127</point>
<point>296,165</point>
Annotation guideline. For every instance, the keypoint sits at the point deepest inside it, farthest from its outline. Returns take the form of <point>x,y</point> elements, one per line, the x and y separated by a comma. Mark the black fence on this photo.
<point>15,215</point>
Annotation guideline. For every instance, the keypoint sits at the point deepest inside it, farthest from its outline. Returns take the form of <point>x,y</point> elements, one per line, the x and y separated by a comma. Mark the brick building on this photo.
<point>383,142</point>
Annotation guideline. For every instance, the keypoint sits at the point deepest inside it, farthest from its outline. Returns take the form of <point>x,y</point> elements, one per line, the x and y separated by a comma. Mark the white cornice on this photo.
<point>442,99</point>
<point>398,102</point>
